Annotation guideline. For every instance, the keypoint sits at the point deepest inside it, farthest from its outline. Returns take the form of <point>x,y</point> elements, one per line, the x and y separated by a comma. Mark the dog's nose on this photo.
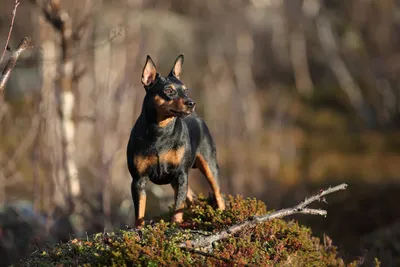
<point>190,103</point>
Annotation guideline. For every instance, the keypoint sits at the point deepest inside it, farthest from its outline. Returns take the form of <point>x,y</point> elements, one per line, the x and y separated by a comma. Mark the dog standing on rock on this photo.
<point>167,140</point>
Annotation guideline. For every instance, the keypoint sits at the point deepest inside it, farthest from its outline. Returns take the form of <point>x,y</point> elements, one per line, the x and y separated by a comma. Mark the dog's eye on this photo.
<point>169,91</point>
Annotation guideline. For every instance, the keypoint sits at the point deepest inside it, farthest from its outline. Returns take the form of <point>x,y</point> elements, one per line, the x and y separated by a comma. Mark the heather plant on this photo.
<point>273,243</point>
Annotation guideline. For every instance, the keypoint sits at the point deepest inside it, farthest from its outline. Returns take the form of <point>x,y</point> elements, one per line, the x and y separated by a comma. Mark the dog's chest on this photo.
<point>159,166</point>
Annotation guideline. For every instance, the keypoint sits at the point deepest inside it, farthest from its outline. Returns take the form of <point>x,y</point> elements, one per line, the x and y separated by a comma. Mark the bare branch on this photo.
<point>14,12</point>
<point>319,196</point>
<point>206,241</point>
<point>23,45</point>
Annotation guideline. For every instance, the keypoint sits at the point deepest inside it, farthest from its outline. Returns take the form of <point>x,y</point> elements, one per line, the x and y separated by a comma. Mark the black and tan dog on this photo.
<point>169,139</point>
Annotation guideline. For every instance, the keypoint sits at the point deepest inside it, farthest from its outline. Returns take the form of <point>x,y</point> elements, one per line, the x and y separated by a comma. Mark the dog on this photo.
<point>167,140</point>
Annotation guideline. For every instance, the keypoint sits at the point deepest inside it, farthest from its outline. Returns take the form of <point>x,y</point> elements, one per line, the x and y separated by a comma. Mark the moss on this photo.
<point>274,243</point>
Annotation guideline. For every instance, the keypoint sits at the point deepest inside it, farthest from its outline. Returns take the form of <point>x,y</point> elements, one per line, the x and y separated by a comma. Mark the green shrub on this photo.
<point>274,243</point>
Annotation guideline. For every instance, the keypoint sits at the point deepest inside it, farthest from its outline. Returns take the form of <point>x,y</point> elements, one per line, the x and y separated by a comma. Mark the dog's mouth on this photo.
<point>181,113</point>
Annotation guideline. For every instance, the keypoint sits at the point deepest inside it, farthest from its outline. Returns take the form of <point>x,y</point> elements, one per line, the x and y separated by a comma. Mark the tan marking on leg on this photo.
<point>178,214</point>
<point>177,217</point>
<point>203,166</point>
<point>142,210</point>
<point>190,196</point>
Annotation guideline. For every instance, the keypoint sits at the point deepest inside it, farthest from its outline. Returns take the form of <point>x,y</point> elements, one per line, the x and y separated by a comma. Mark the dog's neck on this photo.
<point>153,127</point>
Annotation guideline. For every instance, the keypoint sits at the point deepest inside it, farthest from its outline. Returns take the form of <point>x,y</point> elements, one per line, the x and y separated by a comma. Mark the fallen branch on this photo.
<point>23,45</point>
<point>206,241</point>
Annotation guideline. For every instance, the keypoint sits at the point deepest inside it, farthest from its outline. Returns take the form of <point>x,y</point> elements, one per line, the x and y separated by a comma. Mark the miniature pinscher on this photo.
<point>167,140</point>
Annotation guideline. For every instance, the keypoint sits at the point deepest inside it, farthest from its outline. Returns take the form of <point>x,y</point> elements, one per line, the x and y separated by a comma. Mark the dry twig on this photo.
<point>301,208</point>
<point>14,12</point>
<point>23,45</point>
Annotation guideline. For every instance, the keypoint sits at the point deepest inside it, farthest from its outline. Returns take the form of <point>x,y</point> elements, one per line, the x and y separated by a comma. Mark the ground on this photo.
<point>274,243</point>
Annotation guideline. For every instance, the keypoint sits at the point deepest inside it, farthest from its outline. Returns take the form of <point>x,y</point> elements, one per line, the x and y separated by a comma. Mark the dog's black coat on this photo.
<point>167,140</point>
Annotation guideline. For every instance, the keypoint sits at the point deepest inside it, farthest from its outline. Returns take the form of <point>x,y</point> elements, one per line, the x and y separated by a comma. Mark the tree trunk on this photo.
<point>51,131</point>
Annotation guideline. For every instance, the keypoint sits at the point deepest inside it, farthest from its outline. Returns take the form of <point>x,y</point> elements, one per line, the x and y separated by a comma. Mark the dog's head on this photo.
<point>169,94</point>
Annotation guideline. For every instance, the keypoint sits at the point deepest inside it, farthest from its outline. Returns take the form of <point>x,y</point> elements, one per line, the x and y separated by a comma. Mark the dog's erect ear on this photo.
<point>177,68</point>
<point>149,72</point>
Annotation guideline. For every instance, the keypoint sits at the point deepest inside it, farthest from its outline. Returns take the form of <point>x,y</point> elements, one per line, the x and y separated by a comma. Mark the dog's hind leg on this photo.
<point>190,196</point>
<point>208,165</point>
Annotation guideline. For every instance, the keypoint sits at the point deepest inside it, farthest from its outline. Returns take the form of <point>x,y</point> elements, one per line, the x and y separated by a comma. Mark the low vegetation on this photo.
<point>274,243</point>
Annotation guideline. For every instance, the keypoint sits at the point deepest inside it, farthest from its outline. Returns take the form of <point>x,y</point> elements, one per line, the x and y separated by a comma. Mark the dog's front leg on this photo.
<point>139,200</point>
<point>180,187</point>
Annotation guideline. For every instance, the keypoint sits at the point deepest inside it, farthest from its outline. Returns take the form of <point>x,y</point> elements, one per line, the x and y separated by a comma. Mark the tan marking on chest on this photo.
<point>164,122</point>
<point>144,162</point>
<point>173,157</point>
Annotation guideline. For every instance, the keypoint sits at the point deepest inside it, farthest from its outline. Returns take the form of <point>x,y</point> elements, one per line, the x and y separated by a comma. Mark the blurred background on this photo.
<point>298,94</point>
